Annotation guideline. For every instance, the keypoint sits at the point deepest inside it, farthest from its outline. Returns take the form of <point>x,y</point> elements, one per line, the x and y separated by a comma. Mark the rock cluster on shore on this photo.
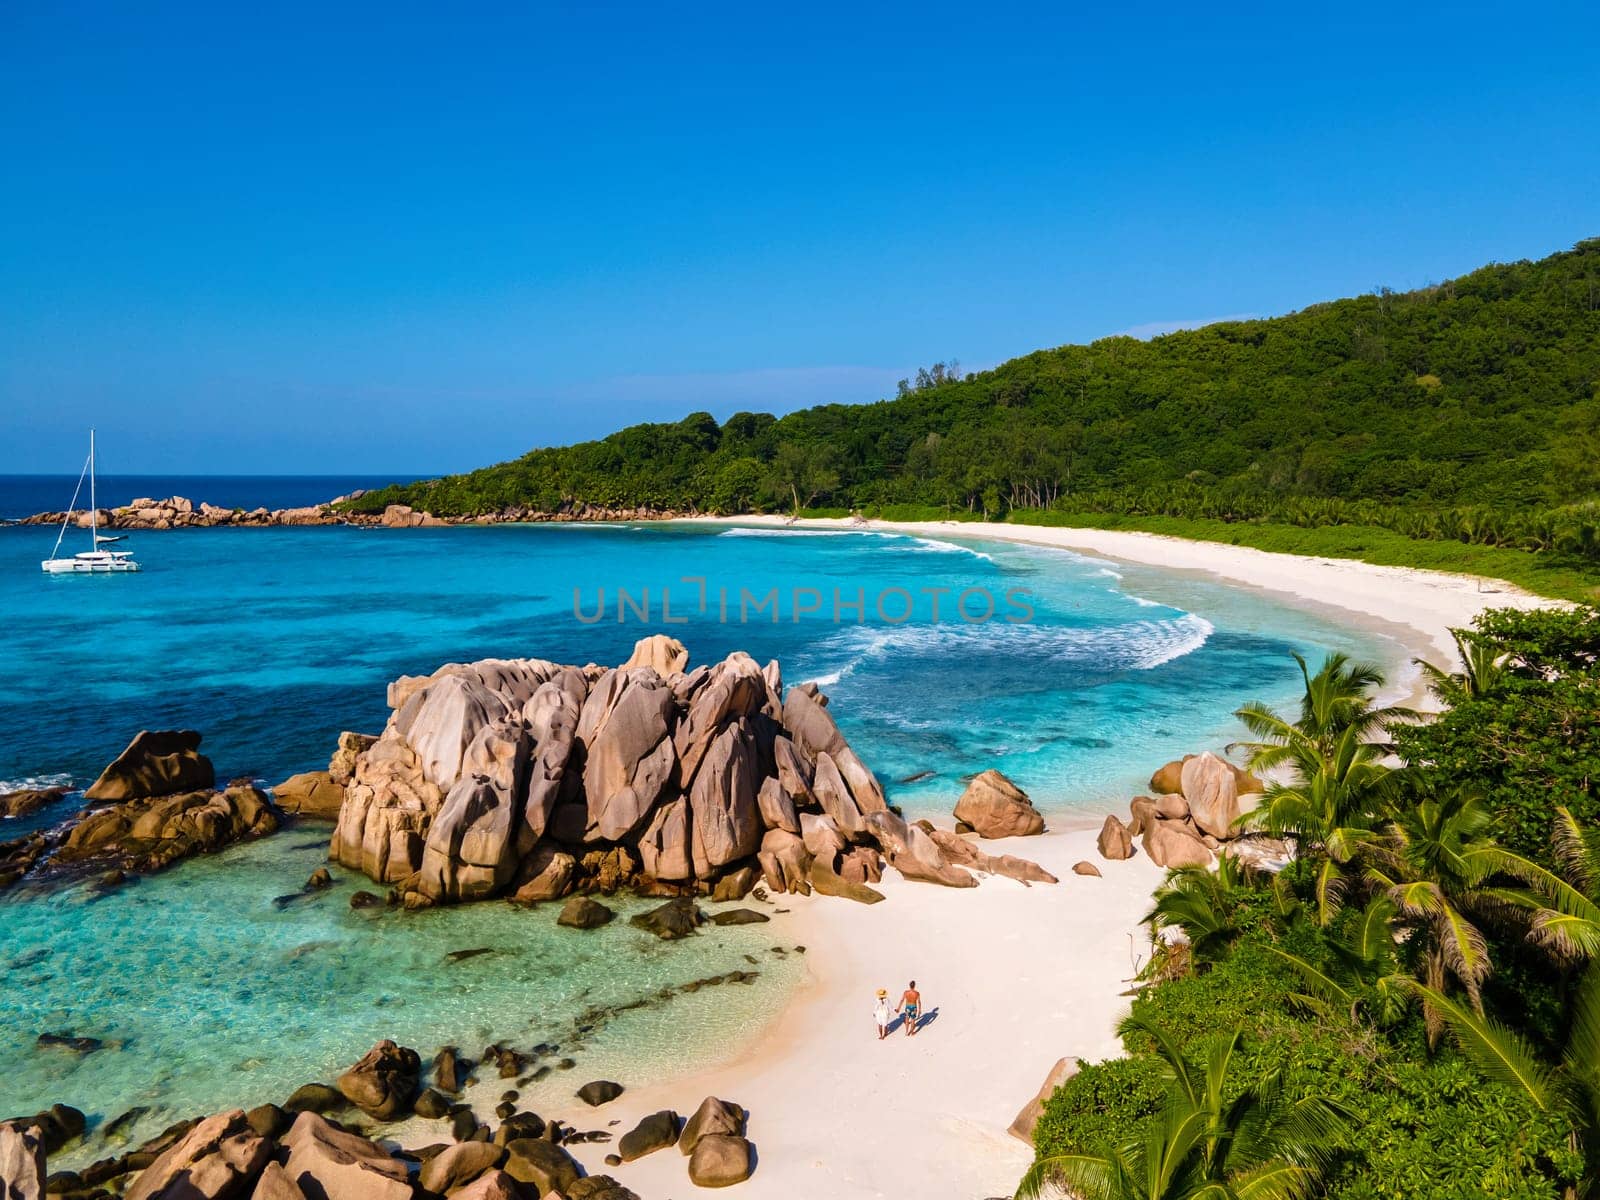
<point>310,1148</point>
<point>179,512</point>
<point>534,780</point>
<point>1194,811</point>
<point>156,807</point>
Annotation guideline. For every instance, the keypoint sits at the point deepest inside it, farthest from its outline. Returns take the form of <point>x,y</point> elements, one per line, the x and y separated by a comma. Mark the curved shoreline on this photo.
<point>1018,977</point>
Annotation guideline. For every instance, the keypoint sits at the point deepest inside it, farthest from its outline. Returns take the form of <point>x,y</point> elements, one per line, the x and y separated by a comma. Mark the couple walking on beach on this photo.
<point>910,1010</point>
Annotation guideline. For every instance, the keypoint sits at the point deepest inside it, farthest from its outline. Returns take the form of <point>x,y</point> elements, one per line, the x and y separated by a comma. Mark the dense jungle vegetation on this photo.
<point>1412,1007</point>
<point>1467,412</point>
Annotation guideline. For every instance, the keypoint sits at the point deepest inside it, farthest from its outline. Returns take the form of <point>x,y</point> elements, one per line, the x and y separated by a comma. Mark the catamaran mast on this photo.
<point>94,528</point>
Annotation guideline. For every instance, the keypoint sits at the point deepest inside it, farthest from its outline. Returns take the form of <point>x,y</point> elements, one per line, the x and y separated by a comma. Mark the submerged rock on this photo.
<point>672,920</point>
<point>580,912</point>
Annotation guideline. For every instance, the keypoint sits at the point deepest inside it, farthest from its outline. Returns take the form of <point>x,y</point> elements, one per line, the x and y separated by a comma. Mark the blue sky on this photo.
<point>415,239</point>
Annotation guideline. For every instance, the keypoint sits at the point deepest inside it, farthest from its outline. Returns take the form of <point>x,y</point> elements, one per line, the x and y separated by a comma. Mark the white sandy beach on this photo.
<point>1017,977</point>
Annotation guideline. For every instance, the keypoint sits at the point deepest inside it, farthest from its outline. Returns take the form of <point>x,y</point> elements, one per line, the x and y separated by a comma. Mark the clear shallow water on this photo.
<point>272,641</point>
<point>206,994</point>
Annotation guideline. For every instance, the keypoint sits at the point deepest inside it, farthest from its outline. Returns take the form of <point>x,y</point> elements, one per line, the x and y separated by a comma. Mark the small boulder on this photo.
<point>655,1132</point>
<point>598,1092</point>
<point>432,1105</point>
<point>1085,868</point>
<point>580,912</point>
<point>1172,808</point>
<point>712,1117</point>
<point>1174,844</point>
<point>720,1160</point>
<point>542,1164</point>
<point>1115,842</point>
<point>315,1098</point>
<point>996,808</point>
<point>384,1083</point>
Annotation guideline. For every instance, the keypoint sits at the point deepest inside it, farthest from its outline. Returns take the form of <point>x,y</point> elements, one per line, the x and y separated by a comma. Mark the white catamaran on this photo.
<point>94,561</point>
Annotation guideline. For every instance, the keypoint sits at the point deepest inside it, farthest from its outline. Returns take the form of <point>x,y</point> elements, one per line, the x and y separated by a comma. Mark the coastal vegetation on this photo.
<point>1416,997</point>
<point>1462,415</point>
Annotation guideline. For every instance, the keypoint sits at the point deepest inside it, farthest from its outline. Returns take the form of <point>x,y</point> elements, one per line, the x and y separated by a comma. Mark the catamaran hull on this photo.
<point>72,566</point>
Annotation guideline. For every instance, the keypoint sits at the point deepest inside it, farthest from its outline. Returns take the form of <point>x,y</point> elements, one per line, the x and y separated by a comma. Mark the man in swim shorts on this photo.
<point>911,1008</point>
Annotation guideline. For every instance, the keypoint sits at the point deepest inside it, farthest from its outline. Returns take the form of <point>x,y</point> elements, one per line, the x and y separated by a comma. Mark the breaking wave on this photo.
<point>1131,646</point>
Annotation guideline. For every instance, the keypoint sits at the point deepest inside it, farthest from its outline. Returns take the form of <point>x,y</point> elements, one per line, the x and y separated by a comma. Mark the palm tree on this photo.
<point>1483,670</point>
<point>1338,782</point>
<point>1433,864</point>
<point>1569,1087</point>
<point>1336,699</point>
<point>1204,905</point>
<point>1213,1140</point>
<point>1331,809</point>
<point>1566,910</point>
<point>1363,972</point>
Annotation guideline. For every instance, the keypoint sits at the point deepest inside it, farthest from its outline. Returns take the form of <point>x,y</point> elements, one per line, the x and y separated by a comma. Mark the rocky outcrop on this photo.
<point>29,800</point>
<point>1210,792</point>
<point>961,852</point>
<point>150,835</point>
<point>324,1161</point>
<point>220,1157</point>
<point>528,778</point>
<point>996,808</point>
<point>156,763</point>
<point>912,852</point>
<point>1193,816</point>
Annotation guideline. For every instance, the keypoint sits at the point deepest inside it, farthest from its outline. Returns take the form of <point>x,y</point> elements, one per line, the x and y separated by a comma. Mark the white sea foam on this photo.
<point>747,531</point>
<point>934,545</point>
<point>31,783</point>
<point>1130,646</point>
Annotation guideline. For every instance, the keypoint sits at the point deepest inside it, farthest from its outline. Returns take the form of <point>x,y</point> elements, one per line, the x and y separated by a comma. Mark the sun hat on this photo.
<point>883,991</point>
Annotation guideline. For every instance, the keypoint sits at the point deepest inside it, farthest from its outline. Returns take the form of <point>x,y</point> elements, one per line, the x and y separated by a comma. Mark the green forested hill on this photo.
<point>1469,410</point>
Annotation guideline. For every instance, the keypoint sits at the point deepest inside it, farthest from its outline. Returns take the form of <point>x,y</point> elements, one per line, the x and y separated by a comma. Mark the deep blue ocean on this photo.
<point>24,495</point>
<point>271,641</point>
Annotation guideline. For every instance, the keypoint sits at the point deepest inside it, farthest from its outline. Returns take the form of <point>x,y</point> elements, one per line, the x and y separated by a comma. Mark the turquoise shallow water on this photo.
<point>272,641</point>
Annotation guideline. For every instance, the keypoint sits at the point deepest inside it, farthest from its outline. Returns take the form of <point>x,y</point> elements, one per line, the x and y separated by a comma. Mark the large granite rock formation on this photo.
<point>536,779</point>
